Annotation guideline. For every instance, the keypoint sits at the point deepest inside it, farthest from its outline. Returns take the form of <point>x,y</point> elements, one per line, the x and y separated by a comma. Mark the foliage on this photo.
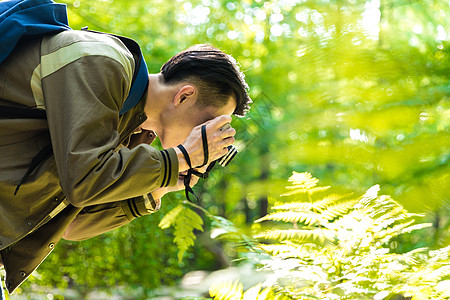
<point>332,246</point>
<point>185,221</point>
<point>234,291</point>
<point>355,91</point>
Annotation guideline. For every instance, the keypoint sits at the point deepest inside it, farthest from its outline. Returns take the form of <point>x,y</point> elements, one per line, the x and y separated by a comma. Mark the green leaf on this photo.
<point>170,217</point>
<point>308,218</point>
<point>185,221</point>
<point>226,291</point>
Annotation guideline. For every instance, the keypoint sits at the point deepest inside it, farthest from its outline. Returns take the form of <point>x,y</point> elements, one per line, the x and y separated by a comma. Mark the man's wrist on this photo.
<point>182,164</point>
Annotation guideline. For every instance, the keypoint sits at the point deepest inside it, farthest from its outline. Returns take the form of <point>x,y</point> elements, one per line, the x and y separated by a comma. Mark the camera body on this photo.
<point>224,160</point>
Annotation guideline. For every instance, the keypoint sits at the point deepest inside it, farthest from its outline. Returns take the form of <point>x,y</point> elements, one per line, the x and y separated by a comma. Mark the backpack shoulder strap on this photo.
<point>140,80</point>
<point>28,18</point>
<point>15,112</point>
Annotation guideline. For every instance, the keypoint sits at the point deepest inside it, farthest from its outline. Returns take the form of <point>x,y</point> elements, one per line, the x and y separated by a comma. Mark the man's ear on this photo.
<point>186,94</point>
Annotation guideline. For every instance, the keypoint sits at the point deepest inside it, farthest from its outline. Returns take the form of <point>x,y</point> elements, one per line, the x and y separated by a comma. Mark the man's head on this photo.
<point>214,73</point>
<point>194,86</point>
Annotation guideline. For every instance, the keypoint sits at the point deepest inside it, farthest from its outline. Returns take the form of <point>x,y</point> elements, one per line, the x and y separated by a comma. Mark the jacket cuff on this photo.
<point>136,207</point>
<point>169,167</point>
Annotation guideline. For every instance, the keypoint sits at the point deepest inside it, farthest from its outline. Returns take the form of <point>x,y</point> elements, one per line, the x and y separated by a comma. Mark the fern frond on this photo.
<point>184,220</point>
<point>234,291</point>
<point>297,206</point>
<point>289,250</point>
<point>252,293</point>
<point>442,254</point>
<point>385,211</point>
<point>281,297</point>
<point>316,236</point>
<point>265,294</point>
<point>371,193</point>
<point>330,200</point>
<point>170,217</point>
<point>389,233</point>
<point>275,249</point>
<point>442,272</point>
<point>327,202</point>
<point>308,218</point>
<point>187,221</point>
<point>294,192</point>
<point>299,189</point>
<point>381,206</point>
<point>226,291</point>
<point>382,233</point>
<point>333,211</point>
<point>391,217</point>
<point>318,189</point>
<point>388,259</point>
<point>303,183</point>
<point>304,180</point>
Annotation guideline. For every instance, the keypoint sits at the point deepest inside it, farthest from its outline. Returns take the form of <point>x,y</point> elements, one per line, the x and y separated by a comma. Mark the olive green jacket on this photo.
<point>92,183</point>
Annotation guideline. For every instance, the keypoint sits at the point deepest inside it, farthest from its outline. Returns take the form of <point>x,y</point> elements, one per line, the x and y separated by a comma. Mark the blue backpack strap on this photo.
<point>27,18</point>
<point>139,83</point>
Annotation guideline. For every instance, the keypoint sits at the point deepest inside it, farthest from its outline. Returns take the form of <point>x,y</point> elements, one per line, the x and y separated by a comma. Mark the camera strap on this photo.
<point>187,178</point>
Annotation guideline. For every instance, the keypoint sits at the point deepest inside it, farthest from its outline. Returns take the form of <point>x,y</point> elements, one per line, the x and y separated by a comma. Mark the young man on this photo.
<point>102,172</point>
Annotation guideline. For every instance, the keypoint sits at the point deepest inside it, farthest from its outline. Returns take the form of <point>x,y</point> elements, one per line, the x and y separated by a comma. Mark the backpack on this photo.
<point>21,19</point>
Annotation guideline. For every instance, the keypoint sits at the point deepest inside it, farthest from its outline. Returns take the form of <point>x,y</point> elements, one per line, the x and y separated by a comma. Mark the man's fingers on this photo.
<point>230,132</point>
<point>225,143</point>
<point>219,121</point>
<point>218,140</point>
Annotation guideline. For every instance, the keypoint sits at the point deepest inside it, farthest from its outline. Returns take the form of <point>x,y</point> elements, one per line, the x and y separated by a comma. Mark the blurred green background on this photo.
<point>355,92</point>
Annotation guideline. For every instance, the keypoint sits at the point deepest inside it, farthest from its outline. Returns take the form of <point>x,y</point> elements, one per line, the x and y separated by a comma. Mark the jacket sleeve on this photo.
<point>98,219</point>
<point>85,80</point>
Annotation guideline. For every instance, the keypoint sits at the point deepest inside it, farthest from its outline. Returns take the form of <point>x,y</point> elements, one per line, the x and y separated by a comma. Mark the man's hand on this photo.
<point>218,141</point>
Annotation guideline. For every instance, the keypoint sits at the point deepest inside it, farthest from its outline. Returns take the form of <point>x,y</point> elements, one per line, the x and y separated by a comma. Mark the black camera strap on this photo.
<point>205,146</point>
<point>191,171</point>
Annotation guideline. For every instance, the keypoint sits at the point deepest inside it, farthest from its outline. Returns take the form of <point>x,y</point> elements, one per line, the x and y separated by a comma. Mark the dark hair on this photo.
<point>216,75</point>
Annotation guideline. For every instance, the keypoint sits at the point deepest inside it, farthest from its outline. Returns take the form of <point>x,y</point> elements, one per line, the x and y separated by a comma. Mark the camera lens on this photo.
<point>224,160</point>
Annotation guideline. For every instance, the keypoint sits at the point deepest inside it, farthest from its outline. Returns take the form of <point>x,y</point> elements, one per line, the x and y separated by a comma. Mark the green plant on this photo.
<point>184,220</point>
<point>330,246</point>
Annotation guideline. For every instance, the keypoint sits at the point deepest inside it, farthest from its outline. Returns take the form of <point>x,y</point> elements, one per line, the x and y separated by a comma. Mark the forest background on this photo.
<point>354,92</point>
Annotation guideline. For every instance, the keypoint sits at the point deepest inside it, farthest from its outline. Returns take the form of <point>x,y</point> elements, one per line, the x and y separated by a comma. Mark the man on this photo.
<point>102,173</point>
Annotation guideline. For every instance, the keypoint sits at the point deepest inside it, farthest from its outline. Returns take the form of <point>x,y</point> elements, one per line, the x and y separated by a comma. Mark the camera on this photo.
<point>224,160</point>
<point>232,150</point>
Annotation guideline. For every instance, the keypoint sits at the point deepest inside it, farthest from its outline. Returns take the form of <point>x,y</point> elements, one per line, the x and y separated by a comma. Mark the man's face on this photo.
<point>180,126</point>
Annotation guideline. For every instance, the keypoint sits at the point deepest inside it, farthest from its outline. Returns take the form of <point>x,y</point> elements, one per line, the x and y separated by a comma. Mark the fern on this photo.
<point>309,218</point>
<point>289,249</point>
<point>338,209</point>
<point>184,220</point>
<point>302,180</point>
<point>326,247</point>
<point>336,249</point>
<point>226,291</point>
<point>298,235</point>
<point>330,199</point>
<point>234,291</point>
<point>294,206</point>
<point>299,190</point>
